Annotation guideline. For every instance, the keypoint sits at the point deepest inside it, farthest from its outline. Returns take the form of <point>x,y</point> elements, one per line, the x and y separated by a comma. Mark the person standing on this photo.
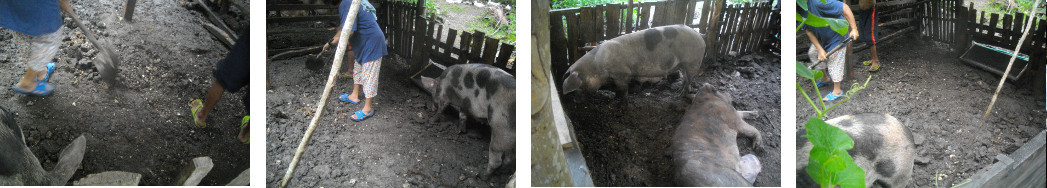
<point>36,27</point>
<point>368,45</point>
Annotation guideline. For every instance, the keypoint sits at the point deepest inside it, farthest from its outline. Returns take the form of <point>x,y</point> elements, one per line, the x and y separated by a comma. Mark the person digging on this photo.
<point>367,44</point>
<point>231,74</point>
<point>867,30</point>
<point>36,27</point>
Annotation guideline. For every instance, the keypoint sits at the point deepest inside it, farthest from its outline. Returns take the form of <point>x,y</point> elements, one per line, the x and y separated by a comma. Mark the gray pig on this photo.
<point>483,92</point>
<point>883,147</point>
<point>705,150</point>
<point>18,165</point>
<point>646,56</point>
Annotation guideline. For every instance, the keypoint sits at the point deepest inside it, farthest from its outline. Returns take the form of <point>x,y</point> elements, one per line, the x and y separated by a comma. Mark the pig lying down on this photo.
<point>645,56</point>
<point>705,150</point>
<point>483,92</point>
<point>18,165</point>
<point>883,147</point>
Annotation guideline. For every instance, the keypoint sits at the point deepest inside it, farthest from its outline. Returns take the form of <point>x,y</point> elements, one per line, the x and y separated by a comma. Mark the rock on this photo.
<point>323,171</point>
<point>922,160</point>
<point>918,138</point>
<point>110,178</point>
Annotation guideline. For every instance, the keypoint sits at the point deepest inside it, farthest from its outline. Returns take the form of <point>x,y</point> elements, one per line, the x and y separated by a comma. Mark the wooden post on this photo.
<point>548,162</point>
<point>129,10</point>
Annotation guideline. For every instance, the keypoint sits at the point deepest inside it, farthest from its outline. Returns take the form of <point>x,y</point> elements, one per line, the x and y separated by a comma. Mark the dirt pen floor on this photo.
<point>941,100</point>
<point>141,124</point>
<point>393,148</point>
<point>632,148</point>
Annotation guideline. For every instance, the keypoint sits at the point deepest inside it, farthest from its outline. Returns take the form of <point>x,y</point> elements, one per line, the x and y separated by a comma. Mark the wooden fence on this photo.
<point>737,28</point>
<point>950,22</point>
<point>420,40</point>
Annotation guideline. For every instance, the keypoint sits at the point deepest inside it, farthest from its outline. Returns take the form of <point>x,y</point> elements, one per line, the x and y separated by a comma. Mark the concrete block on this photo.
<point>244,179</point>
<point>110,178</point>
<point>195,172</point>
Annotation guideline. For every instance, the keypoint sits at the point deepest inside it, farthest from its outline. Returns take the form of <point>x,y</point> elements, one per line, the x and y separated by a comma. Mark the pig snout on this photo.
<point>883,147</point>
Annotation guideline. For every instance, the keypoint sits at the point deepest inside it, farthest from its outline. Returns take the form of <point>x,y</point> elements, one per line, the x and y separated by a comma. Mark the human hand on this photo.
<point>854,34</point>
<point>821,55</point>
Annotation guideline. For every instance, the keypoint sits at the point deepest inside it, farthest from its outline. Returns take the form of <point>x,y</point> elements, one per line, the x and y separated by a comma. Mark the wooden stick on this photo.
<point>343,39</point>
<point>1028,25</point>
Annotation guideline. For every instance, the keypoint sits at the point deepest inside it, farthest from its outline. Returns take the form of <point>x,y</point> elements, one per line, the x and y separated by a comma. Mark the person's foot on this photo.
<point>832,96</point>
<point>362,114</point>
<point>874,67</point>
<point>245,130</point>
<point>194,109</point>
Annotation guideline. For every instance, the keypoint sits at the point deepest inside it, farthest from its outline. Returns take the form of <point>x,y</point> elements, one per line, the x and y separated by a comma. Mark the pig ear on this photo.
<point>428,82</point>
<point>572,82</point>
<point>69,160</point>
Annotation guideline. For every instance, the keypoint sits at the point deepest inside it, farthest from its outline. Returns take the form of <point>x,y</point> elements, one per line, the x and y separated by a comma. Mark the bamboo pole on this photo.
<point>343,39</point>
<point>1028,26</point>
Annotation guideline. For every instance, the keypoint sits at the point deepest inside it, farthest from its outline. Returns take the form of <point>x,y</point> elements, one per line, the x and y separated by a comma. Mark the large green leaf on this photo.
<point>839,25</point>
<point>825,135</point>
<point>818,75</point>
<point>803,5</point>
<point>819,174</point>
<point>851,177</point>
<point>803,71</point>
<point>815,21</point>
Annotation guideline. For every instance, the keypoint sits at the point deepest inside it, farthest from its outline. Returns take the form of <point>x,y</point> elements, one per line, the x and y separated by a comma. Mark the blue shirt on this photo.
<point>368,41</point>
<point>830,9</point>
<point>31,17</point>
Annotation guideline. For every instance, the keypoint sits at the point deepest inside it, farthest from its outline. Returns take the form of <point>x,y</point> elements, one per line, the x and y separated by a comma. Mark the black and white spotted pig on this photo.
<point>483,92</point>
<point>883,147</point>
<point>705,151</point>
<point>18,165</point>
<point>646,56</point>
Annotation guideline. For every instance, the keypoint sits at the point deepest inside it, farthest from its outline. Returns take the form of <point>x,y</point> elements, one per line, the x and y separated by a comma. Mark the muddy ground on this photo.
<point>941,100</point>
<point>393,148</point>
<point>632,149</point>
<point>141,124</point>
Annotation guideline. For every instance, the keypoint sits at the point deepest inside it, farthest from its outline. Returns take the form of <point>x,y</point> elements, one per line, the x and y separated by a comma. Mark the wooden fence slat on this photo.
<point>598,23</point>
<point>557,38</point>
<point>573,35</point>
<point>448,46</point>
<point>504,52</point>
<point>585,24</point>
<point>645,16</point>
<point>475,51</point>
<point>490,47</point>
<point>703,21</point>
<point>614,13</point>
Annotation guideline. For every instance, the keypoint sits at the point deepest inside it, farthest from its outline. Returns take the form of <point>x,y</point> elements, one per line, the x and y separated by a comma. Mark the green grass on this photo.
<point>1002,7</point>
<point>504,33</point>
<point>454,8</point>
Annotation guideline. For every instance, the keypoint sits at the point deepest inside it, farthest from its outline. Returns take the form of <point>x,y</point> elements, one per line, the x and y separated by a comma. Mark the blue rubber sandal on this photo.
<point>830,97</point>
<point>41,89</point>
<point>345,97</point>
<point>822,84</point>
<point>360,116</point>
<point>50,69</point>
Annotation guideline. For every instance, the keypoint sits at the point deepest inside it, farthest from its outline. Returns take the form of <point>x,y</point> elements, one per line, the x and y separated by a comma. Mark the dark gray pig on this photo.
<point>705,150</point>
<point>883,147</point>
<point>646,56</point>
<point>485,93</point>
<point>18,165</point>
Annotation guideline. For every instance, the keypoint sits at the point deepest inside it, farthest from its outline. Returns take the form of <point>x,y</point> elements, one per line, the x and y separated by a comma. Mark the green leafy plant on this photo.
<point>829,164</point>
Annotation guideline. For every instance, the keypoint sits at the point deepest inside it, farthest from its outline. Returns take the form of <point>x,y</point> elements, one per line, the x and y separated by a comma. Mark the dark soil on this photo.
<point>141,124</point>
<point>393,148</point>
<point>941,100</point>
<point>632,149</point>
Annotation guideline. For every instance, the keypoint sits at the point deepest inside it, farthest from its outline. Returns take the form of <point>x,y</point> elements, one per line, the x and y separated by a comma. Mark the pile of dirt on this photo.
<point>632,147</point>
<point>141,124</point>
<point>941,100</point>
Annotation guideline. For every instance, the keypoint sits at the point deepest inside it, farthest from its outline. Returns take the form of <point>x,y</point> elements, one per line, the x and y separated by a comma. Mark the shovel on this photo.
<point>106,61</point>
<point>314,62</point>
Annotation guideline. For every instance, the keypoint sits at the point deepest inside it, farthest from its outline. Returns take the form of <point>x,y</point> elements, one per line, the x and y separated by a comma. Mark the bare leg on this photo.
<point>211,99</point>
<point>368,109</point>
<point>245,132</point>
<point>876,58</point>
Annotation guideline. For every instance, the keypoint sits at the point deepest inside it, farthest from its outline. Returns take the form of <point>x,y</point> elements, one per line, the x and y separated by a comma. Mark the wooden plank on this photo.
<point>475,52</point>
<point>490,49</point>
<point>992,26</point>
<point>689,14</point>
<point>614,21</point>
<point>329,18</point>
<point>573,36</point>
<point>585,24</point>
<point>1005,31</point>
<point>629,22</point>
<point>504,52</point>
<point>463,46</point>
<point>557,38</point>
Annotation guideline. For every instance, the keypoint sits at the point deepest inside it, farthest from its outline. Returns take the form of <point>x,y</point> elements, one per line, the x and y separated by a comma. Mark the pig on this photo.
<point>883,147</point>
<point>704,146</point>
<point>18,165</point>
<point>485,93</point>
<point>645,56</point>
